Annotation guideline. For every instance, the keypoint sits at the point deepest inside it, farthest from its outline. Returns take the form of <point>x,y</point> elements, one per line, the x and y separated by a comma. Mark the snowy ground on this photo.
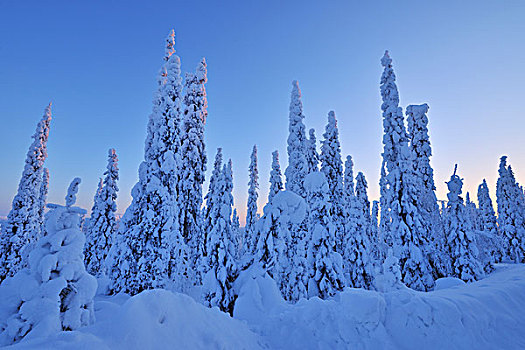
<point>488,314</point>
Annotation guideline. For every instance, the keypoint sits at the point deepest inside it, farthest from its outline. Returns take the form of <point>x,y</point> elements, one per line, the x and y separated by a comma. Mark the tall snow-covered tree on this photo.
<point>24,220</point>
<point>472,212</point>
<point>375,228</point>
<point>297,163</point>
<point>326,275</point>
<point>405,227</point>
<point>250,239</point>
<point>61,293</point>
<point>276,180</point>
<point>460,235</point>
<point>149,227</point>
<point>218,282</point>
<point>192,171</point>
<point>44,189</point>
<point>511,218</point>
<point>102,224</point>
<point>332,168</point>
<point>349,191</point>
<point>312,157</point>
<point>237,234</point>
<point>490,244</point>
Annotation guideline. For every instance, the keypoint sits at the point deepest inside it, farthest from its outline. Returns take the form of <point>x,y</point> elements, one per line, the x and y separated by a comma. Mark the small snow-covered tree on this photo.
<point>472,212</point>
<point>297,163</point>
<point>218,282</point>
<point>511,218</point>
<point>332,168</point>
<point>312,157</point>
<point>44,189</point>
<point>490,244</point>
<point>276,181</point>
<point>24,220</point>
<point>55,293</point>
<point>192,171</point>
<point>237,235</point>
<point>460,235</point>
<point>102,224</point>
<point>250,239</point>
<point>326,275</point>
<point>349,191</point>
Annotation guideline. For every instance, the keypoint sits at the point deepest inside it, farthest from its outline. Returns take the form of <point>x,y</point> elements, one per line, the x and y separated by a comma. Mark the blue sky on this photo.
<point>97,62</point>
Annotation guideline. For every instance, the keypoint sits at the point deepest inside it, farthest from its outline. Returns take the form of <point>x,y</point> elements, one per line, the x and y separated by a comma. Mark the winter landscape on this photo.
<point>313,261</point>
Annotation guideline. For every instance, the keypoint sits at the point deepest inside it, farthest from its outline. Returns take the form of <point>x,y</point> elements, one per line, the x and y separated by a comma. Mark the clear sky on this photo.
<point>97,62</point>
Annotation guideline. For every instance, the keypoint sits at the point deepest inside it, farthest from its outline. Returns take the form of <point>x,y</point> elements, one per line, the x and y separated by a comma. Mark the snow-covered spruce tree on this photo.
<point>375,229</point>
<point>24,220</point>
<point>460,235</point>
<point>192,171</point>
<point>405,227</point>
<point>149,227</point>
<point>277,253</point>
<point>103,224</point>
<point>56,293</point>
<point>44,189</point>
<point>237,234</point>
<point>349,191</point>
<point>312,157</point>
<point>472,212</point>
<point>326,275</point>
<point>332,168</point>
<point>250,239</point>
<point>297,163</point>
<point>511,219</point>
<point>490,244</point>
<point>218,282</point>
<point>276,180</point>
<point>358,249</point>
<point>417,128</point>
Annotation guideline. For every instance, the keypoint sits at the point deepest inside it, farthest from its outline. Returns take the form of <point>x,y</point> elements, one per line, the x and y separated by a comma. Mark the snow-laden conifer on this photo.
<point>103,224</point>
<point>375,232</point>
<point>250,239</point>
<point>297,163</point>
<point>276,180</point>
<point>24,220</point>
<point>511,218</point>
<point>326,275</point>
<point>149,229</point>
<point>472,212</point>
<point>55,293</point>
<point>461,246</point>
<point>490,244</point>
<point>192,170</point>
<point>237,235</point>
<point>312,157</point>
<point>218,282</point>
<point>44,189</point>
<point>349,191</point>
<point>332,168</point>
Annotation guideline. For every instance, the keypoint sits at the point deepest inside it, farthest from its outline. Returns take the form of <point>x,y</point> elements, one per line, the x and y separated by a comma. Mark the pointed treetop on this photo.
<point>386,60</point>
<point>311,134</point>
<point>201,71</point>
<point>331,118</point>
<point>170,45</point>
<point>71,197</point>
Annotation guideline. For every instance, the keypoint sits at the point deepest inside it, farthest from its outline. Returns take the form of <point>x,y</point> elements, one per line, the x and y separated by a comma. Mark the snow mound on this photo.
<point>448,282</point>
<point>154,319</point>
<point>487,314</point>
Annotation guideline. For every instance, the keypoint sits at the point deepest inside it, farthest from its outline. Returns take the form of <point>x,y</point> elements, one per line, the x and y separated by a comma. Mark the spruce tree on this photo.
<point>218,282</point>
<point>460,235</point>
<point>237,235</point>
<point>326,275</point>
<point>297,163</point>
<point>276,181</point>
<point>102,224</point>
<point>511,218</point>
<point>312,157</point>
<point>472,212</point>
<point>44,189</point>
<point>250,239</point>
<point>332,168</point>
<point>489,242</point>
<point>192,171</point>
<point>149,227</point>
<point>24,220</point>
<point>349,192</point>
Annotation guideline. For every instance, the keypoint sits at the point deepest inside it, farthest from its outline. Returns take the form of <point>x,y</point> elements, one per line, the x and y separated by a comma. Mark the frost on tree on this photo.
<point>312,157</point>
<point>403,224</point>
<point>149,231</point>
<point>24,220</point>
<point>358,250</point>
<point>276,180</point>
<point>278,251</point>
<point>417,128</point>
<point>102,224</point>
<point>490,244</point>
<point>193,169</point>
<point>326,275</point>
<point>459,232</point>
<point>250,239</point>
<point>511,213</point>
<point>218,282</point>
<point>297,163</point>
<point>55,293</point>
<point>332,168</point>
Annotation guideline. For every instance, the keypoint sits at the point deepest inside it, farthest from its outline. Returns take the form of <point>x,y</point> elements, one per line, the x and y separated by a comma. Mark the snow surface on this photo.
<point>487,314</point>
